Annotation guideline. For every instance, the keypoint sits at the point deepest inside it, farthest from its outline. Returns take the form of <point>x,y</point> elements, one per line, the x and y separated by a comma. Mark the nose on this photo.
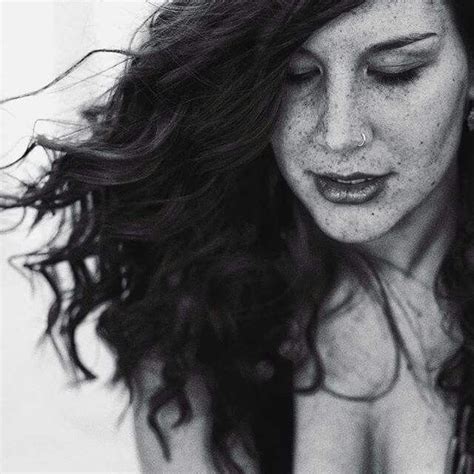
<point>342,126</point>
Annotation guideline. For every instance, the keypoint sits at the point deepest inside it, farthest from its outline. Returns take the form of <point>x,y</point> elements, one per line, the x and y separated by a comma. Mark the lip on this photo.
<point>349,177</point>
<point>351,189</point>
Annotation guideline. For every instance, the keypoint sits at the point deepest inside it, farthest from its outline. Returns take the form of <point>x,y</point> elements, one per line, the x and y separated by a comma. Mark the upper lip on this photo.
<point>350,177</point>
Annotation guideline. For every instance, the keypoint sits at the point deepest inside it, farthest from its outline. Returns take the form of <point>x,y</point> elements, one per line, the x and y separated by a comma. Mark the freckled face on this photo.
<point>394,72</point>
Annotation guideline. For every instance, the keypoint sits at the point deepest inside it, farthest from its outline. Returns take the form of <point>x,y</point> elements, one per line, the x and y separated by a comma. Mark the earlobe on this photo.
<point>470,115</point>
<point>471,91</point>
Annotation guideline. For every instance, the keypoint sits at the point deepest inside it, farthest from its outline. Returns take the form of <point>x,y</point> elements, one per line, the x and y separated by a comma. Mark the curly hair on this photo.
<point>178,227</point>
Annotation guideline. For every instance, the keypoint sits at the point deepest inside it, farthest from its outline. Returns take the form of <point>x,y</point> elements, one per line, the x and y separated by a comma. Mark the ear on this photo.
<point>471,82</point>
<point>470,78</point>
<point>469,114</point>
<point>470,108</point>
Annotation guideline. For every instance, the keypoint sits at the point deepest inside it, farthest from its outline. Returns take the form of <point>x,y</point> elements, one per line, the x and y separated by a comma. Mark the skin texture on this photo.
<point>408,429</point>
<point>412,127</point>
<point>413,131</point>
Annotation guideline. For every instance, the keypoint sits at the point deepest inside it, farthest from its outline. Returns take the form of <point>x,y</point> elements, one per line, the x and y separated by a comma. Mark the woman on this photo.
<point>273,213</point>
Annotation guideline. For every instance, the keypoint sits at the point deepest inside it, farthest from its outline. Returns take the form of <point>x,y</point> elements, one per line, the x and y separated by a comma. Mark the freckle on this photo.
<point>421,143</point>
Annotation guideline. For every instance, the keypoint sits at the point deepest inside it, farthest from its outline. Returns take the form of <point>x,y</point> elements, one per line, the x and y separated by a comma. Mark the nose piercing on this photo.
<point>364,139</point>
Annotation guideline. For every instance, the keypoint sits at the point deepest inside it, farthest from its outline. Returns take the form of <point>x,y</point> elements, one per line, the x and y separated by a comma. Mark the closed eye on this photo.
<point>301,77</point>
<point>383,77</point>
<point>395,78</point>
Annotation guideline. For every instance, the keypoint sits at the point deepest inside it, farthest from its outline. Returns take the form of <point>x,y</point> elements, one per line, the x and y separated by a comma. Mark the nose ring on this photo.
<point>364,140</point>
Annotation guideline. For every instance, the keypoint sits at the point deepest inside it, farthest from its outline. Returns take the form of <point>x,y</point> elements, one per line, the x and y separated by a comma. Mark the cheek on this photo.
<point>293,138</point>
<point>423,129</point>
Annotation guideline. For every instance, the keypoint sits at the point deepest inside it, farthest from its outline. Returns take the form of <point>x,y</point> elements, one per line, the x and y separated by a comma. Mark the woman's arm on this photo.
<point>187,442</point>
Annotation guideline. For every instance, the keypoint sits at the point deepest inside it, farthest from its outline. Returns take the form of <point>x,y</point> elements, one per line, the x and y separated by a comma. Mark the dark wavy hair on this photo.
<point>177,227</point>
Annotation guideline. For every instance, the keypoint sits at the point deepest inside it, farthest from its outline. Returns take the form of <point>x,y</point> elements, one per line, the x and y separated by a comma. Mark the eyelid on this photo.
<point>303,66</point>
<point>413,57</point>
<point>304,72</point>
<point>300,74</point>
<point>398,67</point>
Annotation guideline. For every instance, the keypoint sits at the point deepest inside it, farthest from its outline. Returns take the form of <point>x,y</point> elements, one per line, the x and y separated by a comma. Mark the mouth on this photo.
<point>355,188</point>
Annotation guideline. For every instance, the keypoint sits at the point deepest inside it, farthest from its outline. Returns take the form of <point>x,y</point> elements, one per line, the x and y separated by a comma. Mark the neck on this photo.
<point>420,241</point>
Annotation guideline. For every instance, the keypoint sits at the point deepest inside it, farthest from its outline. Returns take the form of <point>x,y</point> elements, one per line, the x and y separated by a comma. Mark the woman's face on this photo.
<point>391,76</point>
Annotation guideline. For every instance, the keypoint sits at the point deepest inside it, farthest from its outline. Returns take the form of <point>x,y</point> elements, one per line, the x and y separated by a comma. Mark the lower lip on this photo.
<point>350,193</point>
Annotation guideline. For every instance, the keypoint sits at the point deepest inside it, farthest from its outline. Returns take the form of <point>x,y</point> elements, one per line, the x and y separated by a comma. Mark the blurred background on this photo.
<point>48,425</point>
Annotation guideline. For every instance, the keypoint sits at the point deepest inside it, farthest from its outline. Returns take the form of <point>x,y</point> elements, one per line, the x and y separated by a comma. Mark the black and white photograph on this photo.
<point>237,236</point>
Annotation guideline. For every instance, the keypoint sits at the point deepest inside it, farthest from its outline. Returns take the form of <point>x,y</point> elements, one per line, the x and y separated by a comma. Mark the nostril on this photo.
<point>345,142</point>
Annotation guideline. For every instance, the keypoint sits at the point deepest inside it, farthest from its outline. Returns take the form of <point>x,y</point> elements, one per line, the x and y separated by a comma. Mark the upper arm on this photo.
<point>187,442</point>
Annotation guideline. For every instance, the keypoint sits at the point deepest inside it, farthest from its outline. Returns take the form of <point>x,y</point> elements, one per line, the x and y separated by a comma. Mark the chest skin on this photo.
<point>405,430</point>
<point>398,434</point>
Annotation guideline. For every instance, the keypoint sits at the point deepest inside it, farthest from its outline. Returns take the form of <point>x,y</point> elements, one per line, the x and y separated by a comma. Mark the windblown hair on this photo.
<point>181,230</point>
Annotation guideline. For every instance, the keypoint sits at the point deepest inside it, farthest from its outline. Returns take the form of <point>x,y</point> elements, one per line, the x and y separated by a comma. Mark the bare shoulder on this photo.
<point>189,442</point>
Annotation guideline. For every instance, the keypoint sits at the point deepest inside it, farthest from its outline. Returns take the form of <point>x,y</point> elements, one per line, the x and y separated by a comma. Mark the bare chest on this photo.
<point>407,431</point>
<point>379,410</point>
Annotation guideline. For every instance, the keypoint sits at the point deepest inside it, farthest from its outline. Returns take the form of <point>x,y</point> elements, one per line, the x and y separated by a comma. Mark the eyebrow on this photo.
<point>399,42</point>
<point>387,45</point>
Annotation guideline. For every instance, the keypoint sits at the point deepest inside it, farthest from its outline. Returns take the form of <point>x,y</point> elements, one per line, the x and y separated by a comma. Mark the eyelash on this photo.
<point>398,78</point>
<point>402,77</point>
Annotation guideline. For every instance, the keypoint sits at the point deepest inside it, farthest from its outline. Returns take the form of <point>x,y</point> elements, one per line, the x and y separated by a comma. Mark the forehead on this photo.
<point>377,20</point>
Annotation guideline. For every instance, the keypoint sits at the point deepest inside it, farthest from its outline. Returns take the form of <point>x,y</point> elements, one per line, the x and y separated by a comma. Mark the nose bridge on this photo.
<point>341,123</point>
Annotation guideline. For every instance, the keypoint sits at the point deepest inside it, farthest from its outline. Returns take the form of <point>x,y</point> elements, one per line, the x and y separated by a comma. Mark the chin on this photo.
<point>354,230</point>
